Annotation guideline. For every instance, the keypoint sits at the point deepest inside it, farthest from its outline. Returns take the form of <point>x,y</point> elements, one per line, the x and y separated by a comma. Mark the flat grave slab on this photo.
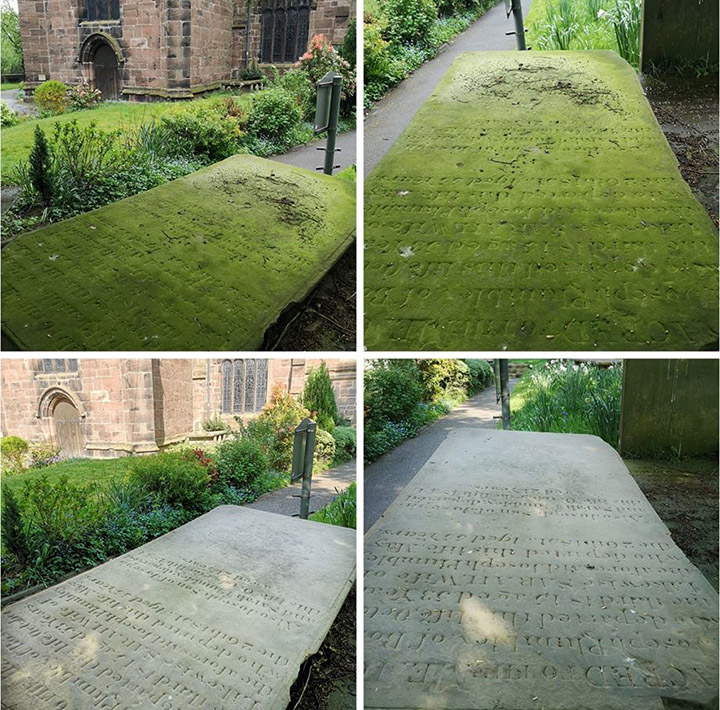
<point>219,613</point>
<point>533,203</point>
<point>207,262</point>
<point>521,570</point>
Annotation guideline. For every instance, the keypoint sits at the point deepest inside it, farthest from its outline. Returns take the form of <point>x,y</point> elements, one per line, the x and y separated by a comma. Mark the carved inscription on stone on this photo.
<point>208,616</point>
<point>533,203</point>
<point>528,570</point>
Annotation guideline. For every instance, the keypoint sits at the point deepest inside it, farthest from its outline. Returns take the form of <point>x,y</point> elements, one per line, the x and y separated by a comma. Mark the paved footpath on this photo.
<point>309,157</point>
<point>325,487</point>
<point>391,114</point>
<point>10,97</point>
<point>385,479</point>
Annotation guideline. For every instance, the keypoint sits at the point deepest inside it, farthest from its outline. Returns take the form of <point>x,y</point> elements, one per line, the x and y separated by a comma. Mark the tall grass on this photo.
<point>565,397</point>
<point>342,511</point>
<point>625,18</point>
<point>586,24</point>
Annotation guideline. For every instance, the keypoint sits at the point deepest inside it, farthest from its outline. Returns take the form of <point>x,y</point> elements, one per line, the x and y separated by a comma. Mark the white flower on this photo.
<point>601,13</point>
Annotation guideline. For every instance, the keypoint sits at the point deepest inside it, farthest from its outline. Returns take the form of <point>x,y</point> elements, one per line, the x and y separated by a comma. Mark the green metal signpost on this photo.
<point>502,390</point>
<point>327,112</point>
<point>302,463</point>
<point>515,7</point>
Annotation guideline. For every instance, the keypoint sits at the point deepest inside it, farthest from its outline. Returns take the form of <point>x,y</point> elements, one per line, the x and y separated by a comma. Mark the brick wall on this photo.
<point>166,48</point>
<point>139,405</point>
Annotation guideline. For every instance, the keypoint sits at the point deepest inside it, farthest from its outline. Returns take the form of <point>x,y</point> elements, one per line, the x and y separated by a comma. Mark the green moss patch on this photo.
<point>201,263</point>
<point>533,203</point>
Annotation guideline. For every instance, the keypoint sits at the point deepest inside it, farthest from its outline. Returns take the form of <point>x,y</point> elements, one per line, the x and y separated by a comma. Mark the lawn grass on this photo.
<point>78,471</point>
<point>10,85</point>
<point>109,116</point>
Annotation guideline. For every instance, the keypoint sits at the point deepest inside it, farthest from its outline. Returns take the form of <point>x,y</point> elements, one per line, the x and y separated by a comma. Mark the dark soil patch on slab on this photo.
<point>327,319</point>
<point>685,495</point>
<point>332,667</point>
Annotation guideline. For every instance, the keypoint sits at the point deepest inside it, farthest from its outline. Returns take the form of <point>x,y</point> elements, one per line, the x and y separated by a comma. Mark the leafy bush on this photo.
<point>348,49</point>
<point>409,21</point>
<point>481,374</point>
<point>197,131</point>
<point>44,454</point>
<point>324,450</point>
<point>173,478</point>
<point>8,117</point>
<point>240,463</point>
<point>444,378</point>
<point>275,428</point>
<point>273,114</point>
<point>296,83</point>
<point>392,390</point>
<point>252,72</point>
<point>377,56</point>
<point>11,525</point>
<point>14,451</point>
<point>83,96</point>
<point>318,397</point>
<point>51,97</point>
<point>345,443</point>
<point>342,511</point>
<point>570,398</point>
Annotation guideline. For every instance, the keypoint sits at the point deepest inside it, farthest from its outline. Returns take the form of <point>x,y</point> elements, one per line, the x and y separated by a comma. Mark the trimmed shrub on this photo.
<point>198,131</point>
<point>318,397</point>
<point>324,449</point>
<point>240,463</point>
<point>345,443</point>
<point>172,478</point>
<point>51,97</point>
<point>273,115</point>
<point>14,451</point>
<point>39,172</point>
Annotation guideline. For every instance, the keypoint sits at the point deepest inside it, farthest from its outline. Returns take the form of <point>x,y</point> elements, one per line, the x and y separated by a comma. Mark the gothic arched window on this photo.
<point>285,30</point>
<point>244,386</point>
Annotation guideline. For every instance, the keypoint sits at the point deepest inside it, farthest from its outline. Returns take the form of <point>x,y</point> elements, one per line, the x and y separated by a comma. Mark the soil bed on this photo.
<point>685,495</point>
<point>327,679</point>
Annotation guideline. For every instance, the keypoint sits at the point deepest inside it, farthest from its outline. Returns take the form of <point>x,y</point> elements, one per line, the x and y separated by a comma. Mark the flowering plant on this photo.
<point>320,58</point>
<point>83,96</point>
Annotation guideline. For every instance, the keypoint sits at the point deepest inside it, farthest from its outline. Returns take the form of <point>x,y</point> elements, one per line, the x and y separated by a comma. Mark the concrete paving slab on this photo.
<point>522,570</point>
<point>533,203</point>
<point>209,261</point>
<point>219,613</point>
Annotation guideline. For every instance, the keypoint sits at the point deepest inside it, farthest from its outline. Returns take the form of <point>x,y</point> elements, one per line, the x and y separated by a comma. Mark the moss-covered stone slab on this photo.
<point>523,570</point>
<point>533,203</point>
<point>207,262</point>
<point>220,613</point>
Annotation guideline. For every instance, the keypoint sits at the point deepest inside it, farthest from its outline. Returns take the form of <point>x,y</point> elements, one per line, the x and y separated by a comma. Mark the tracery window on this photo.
<point>59,365</point>
<point>103,10</point>
<point>244,386</point>
<point>285,29</point>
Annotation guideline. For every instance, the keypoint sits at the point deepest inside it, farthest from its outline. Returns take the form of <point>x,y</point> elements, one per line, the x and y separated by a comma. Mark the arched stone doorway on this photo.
<point>101,55</point>
<point>68,431</point>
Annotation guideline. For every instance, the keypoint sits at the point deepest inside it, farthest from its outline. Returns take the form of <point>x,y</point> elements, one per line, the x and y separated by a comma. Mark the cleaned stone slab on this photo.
<point>522,570</point>
<point>207,262</point>
<point>534,204</point>
<point>219,613</point>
